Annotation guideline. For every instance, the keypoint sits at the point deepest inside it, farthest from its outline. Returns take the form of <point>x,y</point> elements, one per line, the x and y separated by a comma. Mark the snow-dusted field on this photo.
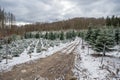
<point>30,52</point>
<point>86,66</point>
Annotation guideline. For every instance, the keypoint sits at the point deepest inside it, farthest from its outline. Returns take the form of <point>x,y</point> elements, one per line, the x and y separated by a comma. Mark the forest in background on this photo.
<point>7,26</point>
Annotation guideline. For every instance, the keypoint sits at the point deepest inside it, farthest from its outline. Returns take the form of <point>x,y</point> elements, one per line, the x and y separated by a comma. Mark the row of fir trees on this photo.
<point>98,38</point>
<point>52,35</point>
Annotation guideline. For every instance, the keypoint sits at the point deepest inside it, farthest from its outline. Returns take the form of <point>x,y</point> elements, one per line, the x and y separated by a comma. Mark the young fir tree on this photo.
<point>94,34</point>
<point>108,21</point>
<point>14,37</point>
<point>104,39</point>
<point>30,35</point>
<point>79,34</point>
<point>0,46</point>
<point>117,36</point>
<point>42,35</point>
<point>46,35</point>
<point>25,36</point>
<point>73,34</point>
<point>68,35</point>
<point>51,36</point>
<point>37,35</point>
<point>88,35</point>
<point>56,35</point>
<point>61,36</point>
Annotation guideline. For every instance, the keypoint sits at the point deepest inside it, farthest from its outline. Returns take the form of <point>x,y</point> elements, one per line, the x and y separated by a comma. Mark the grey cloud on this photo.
<point>51,10</point>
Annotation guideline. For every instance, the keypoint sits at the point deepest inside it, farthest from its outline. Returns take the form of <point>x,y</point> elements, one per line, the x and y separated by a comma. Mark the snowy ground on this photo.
<point>88,67</point>
<point>25,57</point>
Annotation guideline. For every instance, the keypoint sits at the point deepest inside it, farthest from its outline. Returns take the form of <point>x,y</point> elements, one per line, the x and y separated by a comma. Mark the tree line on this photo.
<point>74,23</point>
<point>6,21</point>
<point>78,23</point>
<point>113,21</point>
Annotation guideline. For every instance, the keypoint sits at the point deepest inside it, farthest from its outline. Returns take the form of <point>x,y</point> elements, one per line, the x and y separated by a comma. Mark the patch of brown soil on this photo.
<point>52,67</point>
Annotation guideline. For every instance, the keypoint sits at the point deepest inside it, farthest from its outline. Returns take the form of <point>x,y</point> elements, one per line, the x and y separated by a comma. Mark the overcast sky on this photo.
<point>51,10</point>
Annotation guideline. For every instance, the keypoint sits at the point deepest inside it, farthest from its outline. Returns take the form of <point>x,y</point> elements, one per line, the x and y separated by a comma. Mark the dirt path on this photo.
<point>57,66</point>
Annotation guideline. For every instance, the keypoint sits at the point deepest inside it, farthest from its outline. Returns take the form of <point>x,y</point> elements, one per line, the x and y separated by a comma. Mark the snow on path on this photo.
<point>85,67</point>
<point>71,46</point>
<point>35,49</point>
